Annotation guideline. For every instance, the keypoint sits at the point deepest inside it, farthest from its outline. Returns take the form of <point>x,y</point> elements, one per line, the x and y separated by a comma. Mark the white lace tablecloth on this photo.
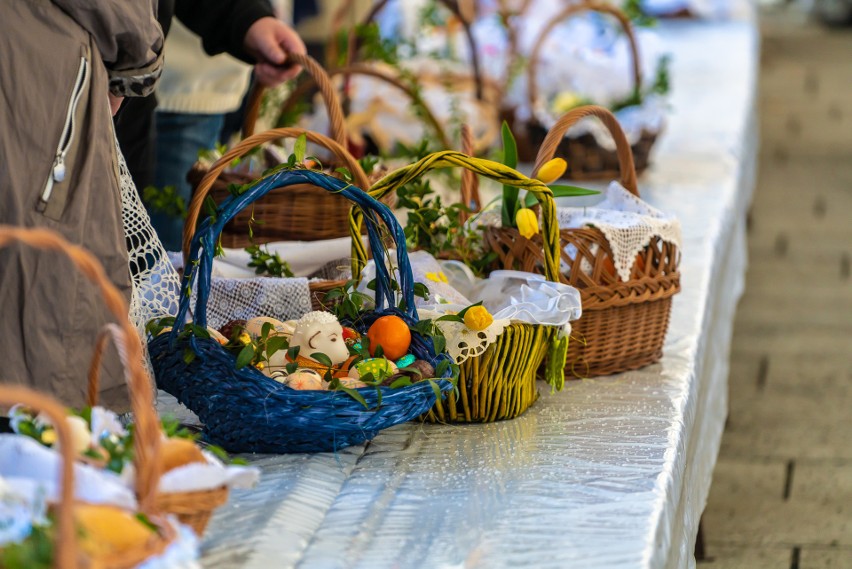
<point>611,472</point>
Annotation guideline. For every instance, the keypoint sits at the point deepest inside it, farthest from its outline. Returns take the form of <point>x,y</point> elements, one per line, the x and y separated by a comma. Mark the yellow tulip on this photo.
<point>477,318</point>
<point>527,222</point>
<point>552,170</point>
<point>244,338</point>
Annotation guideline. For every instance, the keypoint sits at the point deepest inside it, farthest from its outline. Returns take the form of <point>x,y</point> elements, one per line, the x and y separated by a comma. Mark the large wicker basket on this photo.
<point>306,213</point>
<point>146,442</point>
<point>192,508</point>
<point>245,411</point>
<point>586,158</point>
<point>501,383</point>
<point>624,323</point>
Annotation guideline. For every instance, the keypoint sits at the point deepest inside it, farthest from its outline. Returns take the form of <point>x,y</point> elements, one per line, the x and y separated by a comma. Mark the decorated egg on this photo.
<point>352,383</point>
<point>228,329</point>
<point>305,380</point>
<point>350,335</point>
<point>405,360</point>
<point>377,366</point>
<point>81,437</point>
<point>279,328</point>
<point>278,375</point>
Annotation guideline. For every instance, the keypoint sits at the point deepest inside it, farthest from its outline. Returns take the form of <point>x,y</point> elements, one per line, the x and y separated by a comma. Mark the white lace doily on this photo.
<point>627,222</point>
<point>241,299</point>
<point>462,342</point>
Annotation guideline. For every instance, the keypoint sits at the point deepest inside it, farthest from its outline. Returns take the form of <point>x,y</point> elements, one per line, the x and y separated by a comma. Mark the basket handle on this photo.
<point>66,539</point>
<point>567,13</point>
<point>369,71</point>
<point>147,445</point>
<point>244,147</point>
<point>146,419</point>
<point>203,243</point>
<point>451,5</point>
<point>482,167</point>
<point>469,181</point>
<point>622,146</point>
<point>329,95</point>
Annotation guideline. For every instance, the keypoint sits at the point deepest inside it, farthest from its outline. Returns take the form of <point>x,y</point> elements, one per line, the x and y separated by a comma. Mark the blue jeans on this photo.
<point>179,138</point>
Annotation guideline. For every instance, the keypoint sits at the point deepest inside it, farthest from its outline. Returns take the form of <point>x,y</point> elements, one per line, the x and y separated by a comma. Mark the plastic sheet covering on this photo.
<point>611,472</point>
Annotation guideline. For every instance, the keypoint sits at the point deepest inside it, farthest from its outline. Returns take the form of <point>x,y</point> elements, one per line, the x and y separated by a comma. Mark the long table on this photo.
<point>611,472</point>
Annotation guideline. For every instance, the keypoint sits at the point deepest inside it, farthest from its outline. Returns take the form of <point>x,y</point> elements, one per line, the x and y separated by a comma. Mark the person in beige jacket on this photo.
<point>65,65</point>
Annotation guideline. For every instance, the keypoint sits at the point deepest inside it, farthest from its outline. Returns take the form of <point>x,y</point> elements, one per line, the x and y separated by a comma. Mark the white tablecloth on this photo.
<point>611,472</point>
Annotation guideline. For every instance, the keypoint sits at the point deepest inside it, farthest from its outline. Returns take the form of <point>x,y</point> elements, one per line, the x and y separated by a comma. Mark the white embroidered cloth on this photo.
<point>510,296</point>
<point>627,222</point>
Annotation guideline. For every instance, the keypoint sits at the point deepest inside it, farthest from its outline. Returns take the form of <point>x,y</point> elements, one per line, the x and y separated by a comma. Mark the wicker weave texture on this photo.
<point>193,508</point>
<point>624,324</point>
<point>245,411</point>
<point>501,383</point>
<point>588,160</point>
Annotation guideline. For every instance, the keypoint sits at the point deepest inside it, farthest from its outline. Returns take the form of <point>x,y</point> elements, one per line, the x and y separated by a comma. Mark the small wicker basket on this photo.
<point>624,323</point>
<point>146,443</point>
<point>587,160</point>
<point>67,554</point>
<point>193,508</point>
<point>501,383</point>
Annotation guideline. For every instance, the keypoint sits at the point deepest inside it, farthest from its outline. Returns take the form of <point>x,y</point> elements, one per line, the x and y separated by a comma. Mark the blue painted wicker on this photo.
<point>245,411</point>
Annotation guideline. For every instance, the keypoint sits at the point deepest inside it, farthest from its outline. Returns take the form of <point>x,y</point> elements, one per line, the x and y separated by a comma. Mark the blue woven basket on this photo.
<point>245,411</point>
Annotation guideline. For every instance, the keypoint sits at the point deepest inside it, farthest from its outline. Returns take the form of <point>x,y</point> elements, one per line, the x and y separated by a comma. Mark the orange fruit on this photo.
<point>392,334</point>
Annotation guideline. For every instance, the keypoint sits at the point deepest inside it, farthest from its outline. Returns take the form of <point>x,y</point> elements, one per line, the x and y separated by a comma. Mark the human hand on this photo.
<point>269,40</point>
<point>114,103</point>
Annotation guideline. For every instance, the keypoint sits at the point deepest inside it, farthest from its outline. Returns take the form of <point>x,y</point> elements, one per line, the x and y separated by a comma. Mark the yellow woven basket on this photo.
<point>501,383</point>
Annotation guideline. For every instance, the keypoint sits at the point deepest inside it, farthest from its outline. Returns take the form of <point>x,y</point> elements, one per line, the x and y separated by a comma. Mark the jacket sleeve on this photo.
<point>222,24</point>
<point>128,37</point>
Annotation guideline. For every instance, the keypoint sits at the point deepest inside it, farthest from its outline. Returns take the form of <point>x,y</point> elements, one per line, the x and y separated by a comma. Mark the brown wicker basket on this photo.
<point>274,209</point>
<point>487,92</point>
<point>67,554</point>
<point>368,70</point>
<point>624,323</point>
<point>347,6</point>
<point>304,213</point>
<point>192,508</point>
<point>587,160</point>
<point>146,443</point>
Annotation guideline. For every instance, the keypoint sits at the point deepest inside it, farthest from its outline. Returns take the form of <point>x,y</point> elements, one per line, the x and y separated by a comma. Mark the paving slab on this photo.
<point>738,557</point>
<point>747,507</point>
<point>825,559</point>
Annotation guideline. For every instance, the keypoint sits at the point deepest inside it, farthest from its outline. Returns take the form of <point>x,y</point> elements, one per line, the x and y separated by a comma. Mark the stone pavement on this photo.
<point>782,489</point>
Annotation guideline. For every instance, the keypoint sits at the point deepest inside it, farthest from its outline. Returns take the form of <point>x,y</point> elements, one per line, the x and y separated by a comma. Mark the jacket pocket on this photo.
<point>58,174</point>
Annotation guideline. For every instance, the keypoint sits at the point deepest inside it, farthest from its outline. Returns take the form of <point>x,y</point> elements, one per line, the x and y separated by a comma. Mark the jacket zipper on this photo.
<point>57,171</point>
